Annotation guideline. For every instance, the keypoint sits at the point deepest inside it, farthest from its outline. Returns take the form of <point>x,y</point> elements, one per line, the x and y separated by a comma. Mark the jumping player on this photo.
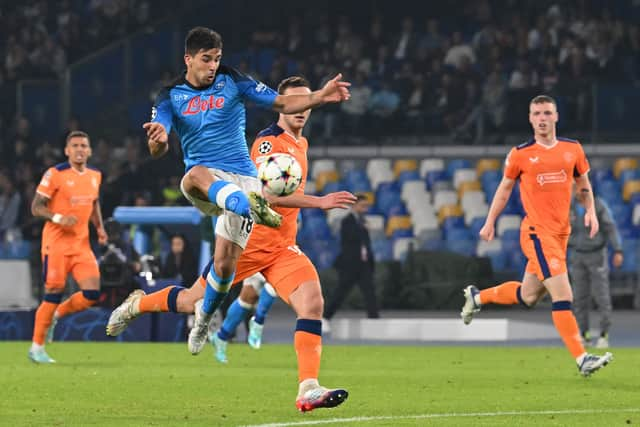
<point>272,252</point>
<point>206,108</point>
<point>546,167</point>
<point>67,198</point>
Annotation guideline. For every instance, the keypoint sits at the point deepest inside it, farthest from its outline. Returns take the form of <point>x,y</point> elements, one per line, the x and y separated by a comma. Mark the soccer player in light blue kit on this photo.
<point>205,107</point>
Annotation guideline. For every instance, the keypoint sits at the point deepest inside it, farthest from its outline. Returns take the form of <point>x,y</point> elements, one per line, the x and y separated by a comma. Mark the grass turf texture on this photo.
<point>116,384</point>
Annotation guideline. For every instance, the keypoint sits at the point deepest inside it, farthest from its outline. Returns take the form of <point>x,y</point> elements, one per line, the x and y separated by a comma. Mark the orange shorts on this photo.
<point>546,253</point>
<point>284,270</point>
<point>56,267</point>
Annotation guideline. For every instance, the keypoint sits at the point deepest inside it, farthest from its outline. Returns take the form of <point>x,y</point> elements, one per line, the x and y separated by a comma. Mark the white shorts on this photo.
<point>229,226</point>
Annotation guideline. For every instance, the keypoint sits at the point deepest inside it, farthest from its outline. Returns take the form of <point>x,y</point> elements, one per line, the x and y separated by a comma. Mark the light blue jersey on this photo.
<point>210,122</point>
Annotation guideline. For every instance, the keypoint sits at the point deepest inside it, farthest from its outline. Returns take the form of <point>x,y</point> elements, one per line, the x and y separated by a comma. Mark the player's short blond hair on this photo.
<point>543,99</point>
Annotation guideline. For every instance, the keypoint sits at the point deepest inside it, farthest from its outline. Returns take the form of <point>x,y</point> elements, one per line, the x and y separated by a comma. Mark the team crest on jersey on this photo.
<point>265,147</point>
<point>154,113</point>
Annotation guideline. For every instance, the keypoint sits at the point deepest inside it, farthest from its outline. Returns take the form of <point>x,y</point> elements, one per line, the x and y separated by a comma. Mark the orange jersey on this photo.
<point>70,193</point>
<point>275,140</point>
<point>546,177</point>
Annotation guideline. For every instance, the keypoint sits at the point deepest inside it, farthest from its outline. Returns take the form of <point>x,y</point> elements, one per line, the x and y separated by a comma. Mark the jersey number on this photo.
<point>247,225</point>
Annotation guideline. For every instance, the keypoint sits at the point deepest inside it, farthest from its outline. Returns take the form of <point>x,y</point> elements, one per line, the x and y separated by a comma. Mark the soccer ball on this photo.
<point>280,174</point>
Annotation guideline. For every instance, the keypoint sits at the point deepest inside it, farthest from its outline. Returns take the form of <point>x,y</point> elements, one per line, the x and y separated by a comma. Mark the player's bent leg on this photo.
<point>308,303</point>
<point>262,212</point>
<point>224,194</point>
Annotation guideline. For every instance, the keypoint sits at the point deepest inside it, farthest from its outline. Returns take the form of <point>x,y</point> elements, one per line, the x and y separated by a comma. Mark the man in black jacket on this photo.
<point>355,262</point>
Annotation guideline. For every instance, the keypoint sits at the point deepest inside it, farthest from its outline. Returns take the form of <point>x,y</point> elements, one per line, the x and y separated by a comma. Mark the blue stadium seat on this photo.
<point>19,249</point>
<point>382,249</point>
<point>499,260</point>
<point>435,176</point>
<point>458,233</point>
<point>402,232</point>
<point>610,191</point>
<point>397,209</point>
<point>462,247</point>
<point>627,175</point>
<point>408,176</point>
<point>325,259</point>
<point>432,245</point>
<point>517,261</point>
<point>630,251</point>
<point>476,225</point>
<point>356,180</point>
<point>332,187</point>
<point>311,212</point>
<point>452,222</point>
<point>315,227</point>
<point>510,240</point>
<point>621,213</point>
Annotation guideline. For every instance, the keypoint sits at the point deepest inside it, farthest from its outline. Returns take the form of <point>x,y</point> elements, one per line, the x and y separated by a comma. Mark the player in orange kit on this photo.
<point>67,197</point>
<point>546,167</point>
<point>272,252</point>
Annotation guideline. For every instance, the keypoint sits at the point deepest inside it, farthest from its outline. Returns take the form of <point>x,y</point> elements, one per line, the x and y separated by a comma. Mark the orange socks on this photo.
<point>44,314</point>
<point>308,344</point>
<point>505,294</point>
<point>157,301</point>
<point>79,301</point>
<point>565,323</point>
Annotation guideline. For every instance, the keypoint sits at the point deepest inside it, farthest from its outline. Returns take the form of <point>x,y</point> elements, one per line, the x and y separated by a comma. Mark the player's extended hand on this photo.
<point>156,132</point>
<point>591,220</point>
<point>335,90</point>
<point>102,236</point>
<point>487,232</point>
<point>617,260</point>
<point>68,220</point>
<point>340,199</point>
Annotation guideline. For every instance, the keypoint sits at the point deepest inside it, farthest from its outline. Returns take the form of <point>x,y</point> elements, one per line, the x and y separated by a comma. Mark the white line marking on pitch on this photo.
<point>451,415</point>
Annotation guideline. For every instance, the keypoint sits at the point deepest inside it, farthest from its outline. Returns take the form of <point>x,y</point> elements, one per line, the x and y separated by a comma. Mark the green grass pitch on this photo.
<point>115,384</point>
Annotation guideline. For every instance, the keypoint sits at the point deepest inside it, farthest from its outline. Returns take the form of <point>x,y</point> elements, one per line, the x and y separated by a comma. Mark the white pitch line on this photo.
<point>450,415</point>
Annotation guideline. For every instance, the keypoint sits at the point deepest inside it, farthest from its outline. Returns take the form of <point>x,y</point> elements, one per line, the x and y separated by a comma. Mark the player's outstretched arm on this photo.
<point>340,199</point>
<point>39,208</point>
<point>498,203</point>
<point>158,139</point>
<point>585,196</point>
<point>335,90</point>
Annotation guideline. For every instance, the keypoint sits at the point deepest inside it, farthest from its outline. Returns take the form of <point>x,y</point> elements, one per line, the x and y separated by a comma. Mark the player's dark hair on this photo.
<point>77,133</point>
<point>543,99</point>
<point>201,38</point>
<point>294,81</point>
<point>361,196</point>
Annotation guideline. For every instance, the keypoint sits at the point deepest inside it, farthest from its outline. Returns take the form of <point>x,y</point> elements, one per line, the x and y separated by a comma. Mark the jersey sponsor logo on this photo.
<point>551,177</point>
<point>534,159</point>
<point>197,105</point>
<point>265,147</point>
<point>81,200</point>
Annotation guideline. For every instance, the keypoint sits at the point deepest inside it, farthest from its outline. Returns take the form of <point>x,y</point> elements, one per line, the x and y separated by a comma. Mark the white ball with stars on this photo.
<point>280,174</point>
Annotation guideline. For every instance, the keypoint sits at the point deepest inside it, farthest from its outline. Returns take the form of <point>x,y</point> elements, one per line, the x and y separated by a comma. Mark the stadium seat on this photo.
<point>405,165</point>
<point>401,248</point>
<point>458,233</point>
<point>442,198</point>
<point>454,164</point>
<point>471,199</point>
<point>462,247</point>
<point>333,187</point>
<point>408,176</point>
<point>429,235</point>
<point>510,240</point>
<point>517,261</point>
<point>477,211</point>
<point>507,222</point>
<point>624,163</point>
<point>425,222</point>
<point>622,214</point>
<point>463,175</point>
<point>484,165</point>
<point>499,260</point>
<point>377,166</point>
<point>467,186</point>
<point>476,224</point>
<point>630,187</point>
<point>630,251</point>
<point>310,187</point>
<point>382,249</point>
<point>484,247</point>
<point>357,181</point>
<point>628,175</point>
<point>420,204</point>
<point>435,176</point>
<point>322,165</point>
<point>636,214</point>
<point>334,219</point>
<point>413,189</point>
<point>375,225</point>
<point>429,165</point>
<point>398,222</point>
<point>315,228</point>
<point>325,177</point>
<point>447,211</point>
